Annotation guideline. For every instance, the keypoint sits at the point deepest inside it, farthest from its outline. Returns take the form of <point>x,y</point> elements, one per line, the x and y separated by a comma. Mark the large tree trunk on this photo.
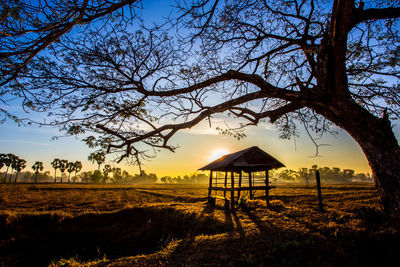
<point>373,134</point>
<point>383,153</point>
<point>377,140</point>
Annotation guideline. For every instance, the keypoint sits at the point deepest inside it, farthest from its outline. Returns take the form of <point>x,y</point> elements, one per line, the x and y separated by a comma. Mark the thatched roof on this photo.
<point>249,160</point>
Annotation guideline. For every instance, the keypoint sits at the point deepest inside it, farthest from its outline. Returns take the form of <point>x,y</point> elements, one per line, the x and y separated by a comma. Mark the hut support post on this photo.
<point>209,187</point>
<point>267,189</point>
<point>240,185</point>
<point>225,183</point>
<point>232,192</point>
<point>250,186</point>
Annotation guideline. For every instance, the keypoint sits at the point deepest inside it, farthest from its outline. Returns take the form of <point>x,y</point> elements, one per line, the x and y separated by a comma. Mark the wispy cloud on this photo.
<point>202,131</point>
<point>23,142</point>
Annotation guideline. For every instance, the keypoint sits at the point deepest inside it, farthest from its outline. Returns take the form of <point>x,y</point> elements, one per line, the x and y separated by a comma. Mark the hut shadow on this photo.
<point>261,225</point>
<point>238,225</point>
<point>230,217</point>
<point>208,209</point>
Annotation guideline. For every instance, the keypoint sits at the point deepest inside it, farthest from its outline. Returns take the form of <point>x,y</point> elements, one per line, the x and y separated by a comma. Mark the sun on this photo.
<point>217,153</point>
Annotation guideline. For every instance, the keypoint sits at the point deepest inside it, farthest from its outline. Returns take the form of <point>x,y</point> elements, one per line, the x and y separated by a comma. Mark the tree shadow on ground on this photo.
<point>37,240</point>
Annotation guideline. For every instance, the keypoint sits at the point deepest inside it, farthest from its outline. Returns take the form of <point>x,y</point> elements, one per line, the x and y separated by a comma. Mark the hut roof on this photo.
<point>249,159</point>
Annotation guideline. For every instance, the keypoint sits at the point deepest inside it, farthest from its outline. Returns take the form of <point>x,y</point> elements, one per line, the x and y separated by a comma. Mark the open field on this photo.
<point>172,225</point>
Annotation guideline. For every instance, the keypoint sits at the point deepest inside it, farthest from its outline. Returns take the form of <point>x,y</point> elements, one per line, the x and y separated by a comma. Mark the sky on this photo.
<point>196,146</point>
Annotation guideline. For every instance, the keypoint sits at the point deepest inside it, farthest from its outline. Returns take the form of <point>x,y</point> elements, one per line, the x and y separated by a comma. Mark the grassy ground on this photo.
<point>172,225</point>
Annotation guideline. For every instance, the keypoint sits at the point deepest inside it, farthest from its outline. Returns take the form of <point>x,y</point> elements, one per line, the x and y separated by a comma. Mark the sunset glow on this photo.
<point>216,154</point>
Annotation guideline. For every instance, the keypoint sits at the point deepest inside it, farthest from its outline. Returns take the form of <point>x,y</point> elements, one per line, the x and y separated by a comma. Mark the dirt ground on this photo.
<point>172,225</point>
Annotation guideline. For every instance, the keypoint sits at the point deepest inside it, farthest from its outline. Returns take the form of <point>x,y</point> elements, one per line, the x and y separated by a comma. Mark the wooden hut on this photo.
<point>247,162</point>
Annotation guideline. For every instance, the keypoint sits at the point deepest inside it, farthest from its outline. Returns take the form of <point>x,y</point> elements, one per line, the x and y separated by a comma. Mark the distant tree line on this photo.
<point>199,178</point>
<point>68,170</point>
<point>116,175</point>
<point>14,165</point>
<point>327,174</point>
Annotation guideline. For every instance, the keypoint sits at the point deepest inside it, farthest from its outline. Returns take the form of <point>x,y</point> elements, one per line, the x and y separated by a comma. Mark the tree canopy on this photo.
<point>29,29</point>
<point>317,63</point>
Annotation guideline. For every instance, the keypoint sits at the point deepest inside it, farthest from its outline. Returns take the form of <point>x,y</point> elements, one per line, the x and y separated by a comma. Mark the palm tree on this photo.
<point>78,168</point>
<point>38,166</point>
<point>2,160</point>
<point>99,157</point>
<point>13,163</point>
<point>63,167</point>
<point>7,162</point>
<point>19,165</point>
<point>56,165</point>
<point>2,156</point>
<point>70,168</point>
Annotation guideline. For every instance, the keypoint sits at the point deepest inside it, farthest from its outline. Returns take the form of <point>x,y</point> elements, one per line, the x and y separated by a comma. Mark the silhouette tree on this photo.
<point>30,27</point>
<point>96,176</point>
<point>19,164</point>
<point>288,175</point>
<point>106,171</point>
<point>347,174</point>
<point>312,64</point>
<point>13,159</point>
<point>97,157</point>
<point>56,165</point>
<point>117,175</point>
<point>6,159</point>
<point>63,166</point>
<point>38,166</point>
<point>2,156</point>
<point>3,160</point>
<point>303,172</point>
<point>78,168</point>
<point>126,176</point>
<point>70,168</point>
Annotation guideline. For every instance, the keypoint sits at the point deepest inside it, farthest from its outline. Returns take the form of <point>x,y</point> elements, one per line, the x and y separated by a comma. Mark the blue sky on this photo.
<point>196,145</point>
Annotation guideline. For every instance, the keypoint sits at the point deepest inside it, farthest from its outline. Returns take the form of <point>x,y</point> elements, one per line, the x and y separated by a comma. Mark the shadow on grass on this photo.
<point>37,240</point>
<point>186,199</point>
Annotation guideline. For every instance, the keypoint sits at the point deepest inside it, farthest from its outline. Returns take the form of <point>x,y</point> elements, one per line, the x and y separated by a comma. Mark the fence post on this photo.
<point>320,204</point>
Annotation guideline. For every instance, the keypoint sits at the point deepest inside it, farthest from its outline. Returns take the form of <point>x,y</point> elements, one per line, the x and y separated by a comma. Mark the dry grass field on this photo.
<point>171,225</point>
